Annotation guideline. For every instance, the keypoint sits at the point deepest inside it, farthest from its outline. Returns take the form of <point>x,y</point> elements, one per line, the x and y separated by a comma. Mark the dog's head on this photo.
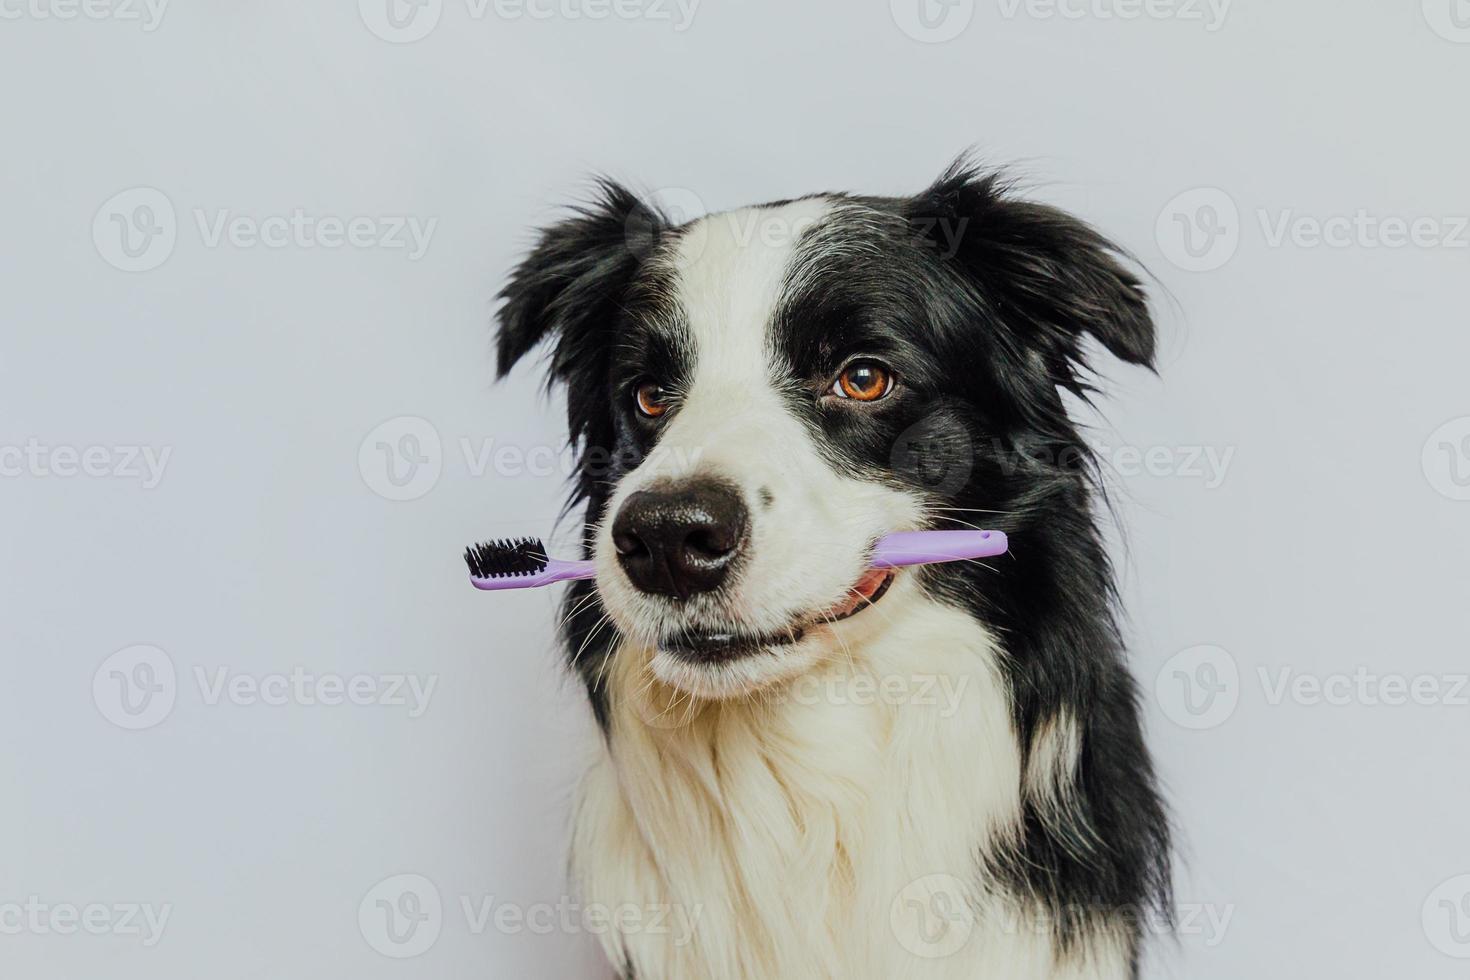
<point>758,396</point>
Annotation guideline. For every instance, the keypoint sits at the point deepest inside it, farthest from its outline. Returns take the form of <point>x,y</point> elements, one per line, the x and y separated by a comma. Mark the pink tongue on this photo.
<point>863,591</point>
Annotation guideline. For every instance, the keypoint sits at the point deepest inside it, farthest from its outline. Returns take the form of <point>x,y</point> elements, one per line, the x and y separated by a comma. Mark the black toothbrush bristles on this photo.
<point>499,559</point>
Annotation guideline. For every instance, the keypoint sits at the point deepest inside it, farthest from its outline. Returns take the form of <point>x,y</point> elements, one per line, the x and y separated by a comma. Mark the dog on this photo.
<point>824,770</point>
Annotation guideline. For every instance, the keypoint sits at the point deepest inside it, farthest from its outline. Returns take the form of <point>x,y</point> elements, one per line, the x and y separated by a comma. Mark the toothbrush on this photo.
<point>522,563</point>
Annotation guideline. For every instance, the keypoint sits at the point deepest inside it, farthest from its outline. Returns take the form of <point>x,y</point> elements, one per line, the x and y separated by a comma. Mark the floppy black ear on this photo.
<point>1048,276</point>
<point>570,287</point>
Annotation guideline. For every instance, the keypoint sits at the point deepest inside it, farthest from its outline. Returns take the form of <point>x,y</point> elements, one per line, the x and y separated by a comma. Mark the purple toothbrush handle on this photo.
<point>928,547</point>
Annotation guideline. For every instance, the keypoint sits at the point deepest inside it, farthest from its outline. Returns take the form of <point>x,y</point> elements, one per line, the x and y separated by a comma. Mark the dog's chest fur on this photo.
<point>837,829</point>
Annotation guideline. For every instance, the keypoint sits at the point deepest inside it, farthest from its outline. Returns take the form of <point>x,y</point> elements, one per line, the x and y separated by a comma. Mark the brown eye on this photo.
<point>650,399</point>
<point>864,381</point>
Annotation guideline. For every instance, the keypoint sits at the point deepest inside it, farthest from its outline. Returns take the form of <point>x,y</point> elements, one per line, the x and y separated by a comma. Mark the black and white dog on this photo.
<point>828,771</point>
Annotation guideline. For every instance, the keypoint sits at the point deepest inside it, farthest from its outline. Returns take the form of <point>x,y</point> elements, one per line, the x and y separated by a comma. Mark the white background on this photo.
<point>1331,834</point>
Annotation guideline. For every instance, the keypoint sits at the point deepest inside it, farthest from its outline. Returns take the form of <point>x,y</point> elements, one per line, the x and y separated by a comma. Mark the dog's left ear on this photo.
<point>1045,276</point>
<point>570,288</point>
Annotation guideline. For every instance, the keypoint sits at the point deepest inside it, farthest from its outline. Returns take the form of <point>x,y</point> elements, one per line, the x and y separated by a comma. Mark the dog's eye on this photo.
<point>650,399</point>
<point>864,381</point>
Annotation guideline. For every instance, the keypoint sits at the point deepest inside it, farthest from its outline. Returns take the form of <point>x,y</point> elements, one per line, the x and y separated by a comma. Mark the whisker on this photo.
<point>602,621</point>
<point>580,605</point>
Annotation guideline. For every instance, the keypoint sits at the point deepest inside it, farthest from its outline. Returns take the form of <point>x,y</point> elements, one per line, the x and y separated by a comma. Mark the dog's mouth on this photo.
<point>717,646</point>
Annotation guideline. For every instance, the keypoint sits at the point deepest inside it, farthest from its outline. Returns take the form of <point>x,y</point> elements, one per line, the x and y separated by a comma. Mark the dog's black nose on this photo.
<point>680,539</point>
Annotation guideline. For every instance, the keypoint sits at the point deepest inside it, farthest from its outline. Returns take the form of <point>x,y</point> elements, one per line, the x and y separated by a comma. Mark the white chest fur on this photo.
<point>833,828</point>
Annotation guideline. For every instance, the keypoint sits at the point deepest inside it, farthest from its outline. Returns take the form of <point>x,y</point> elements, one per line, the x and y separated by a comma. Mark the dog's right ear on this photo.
<point>1047,277</point>
<point>571,286</point>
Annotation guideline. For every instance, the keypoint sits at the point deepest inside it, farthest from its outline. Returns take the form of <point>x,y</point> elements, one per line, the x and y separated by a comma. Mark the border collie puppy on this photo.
<point>821,770</point>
